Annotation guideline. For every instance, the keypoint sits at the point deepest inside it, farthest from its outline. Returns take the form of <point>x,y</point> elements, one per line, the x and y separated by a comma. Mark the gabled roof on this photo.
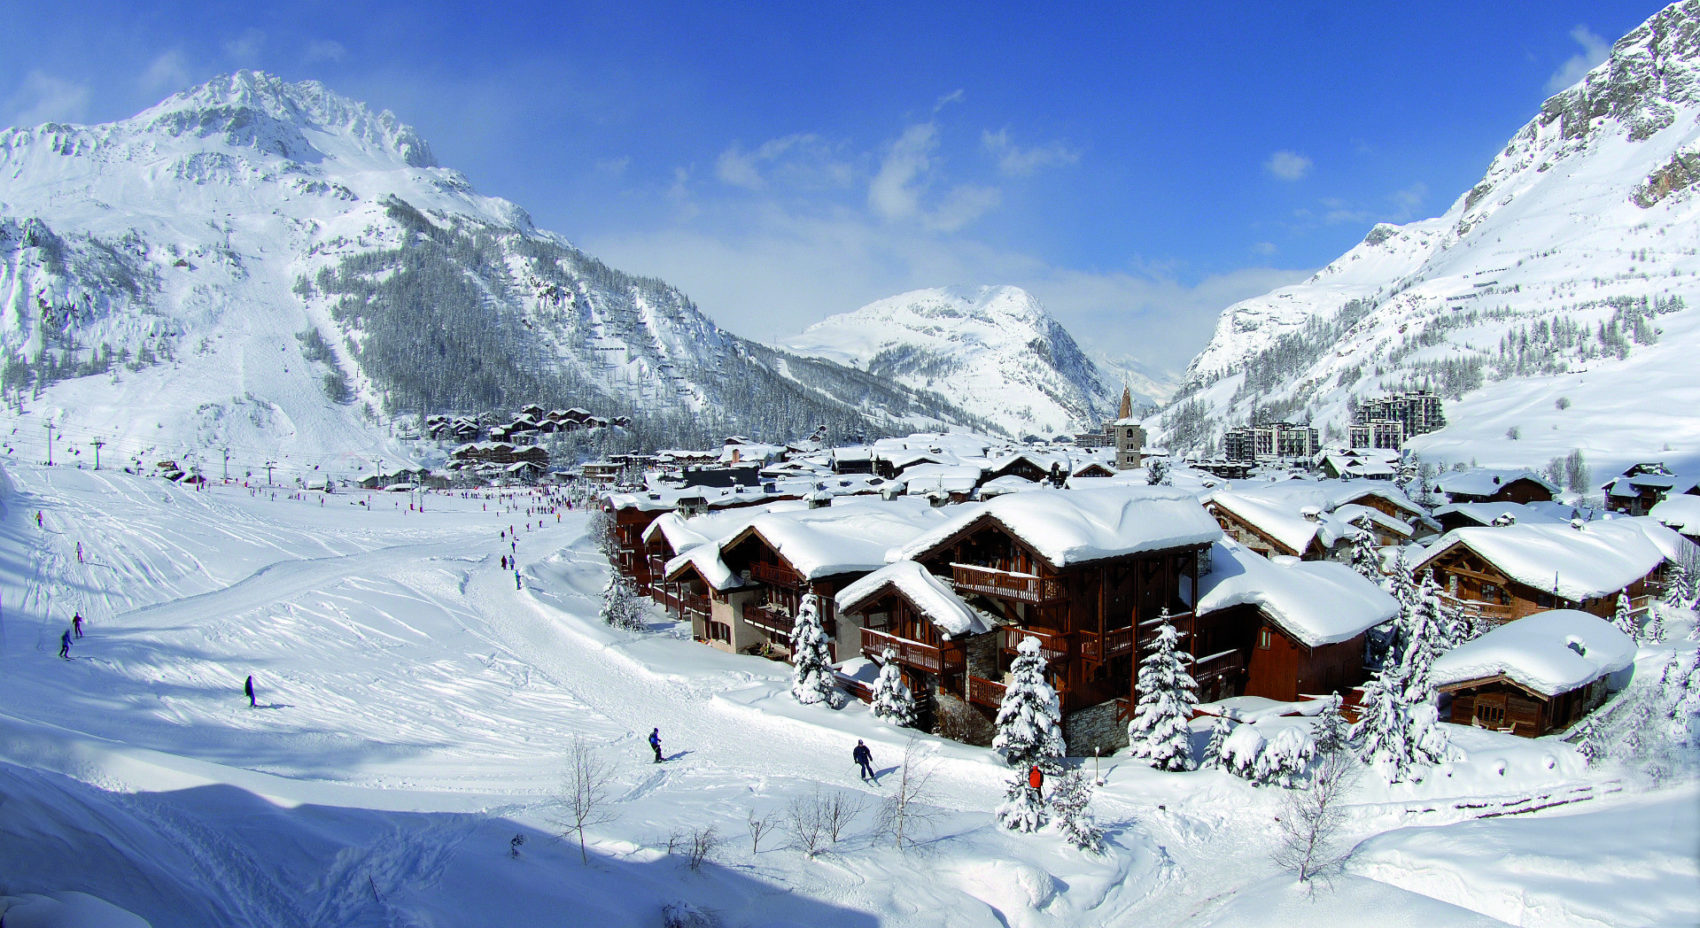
<point>928,594</point>
<point>1596,559</point>
<point>1067,527</point>
<point>1681,513</point>
<point>1314,602</point>
<point>1487,513</point>
<point>1547,652</point>
<point>1484,481</point>
<point>852,535</point>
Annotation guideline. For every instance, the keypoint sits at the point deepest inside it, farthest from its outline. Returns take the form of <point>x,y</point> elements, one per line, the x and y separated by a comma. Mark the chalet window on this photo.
<point>1493,593</point>
<point>720,631</point>
<point>1263,639</point>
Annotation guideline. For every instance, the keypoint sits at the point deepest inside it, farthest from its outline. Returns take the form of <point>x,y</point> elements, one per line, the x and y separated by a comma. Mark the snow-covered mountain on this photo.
<point>993,350</point>
<point>267,264</point>
<point>1548,304</point>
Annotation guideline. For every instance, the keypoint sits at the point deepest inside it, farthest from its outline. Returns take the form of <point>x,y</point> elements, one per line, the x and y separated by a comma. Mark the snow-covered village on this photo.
<point>831,532</point>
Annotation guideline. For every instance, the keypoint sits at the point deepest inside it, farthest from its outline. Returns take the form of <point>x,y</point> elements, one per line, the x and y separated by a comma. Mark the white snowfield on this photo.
<point>1577,561</point>
<point>414,709</point>
<point>1316,602</point>
<point>1549,652</point>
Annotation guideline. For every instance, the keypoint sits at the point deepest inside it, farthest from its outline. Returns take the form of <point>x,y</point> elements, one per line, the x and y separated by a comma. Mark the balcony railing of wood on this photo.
<point>1005,584</point>
<point>774,575</point>
<point>982,692</point>
<point>773,620</point>
<point>916,654</point>
<point>1053,645</point>
<point>1496,612</point>
<point>693,605</point>
<point>1210,666</point>
<point>1115,643</point>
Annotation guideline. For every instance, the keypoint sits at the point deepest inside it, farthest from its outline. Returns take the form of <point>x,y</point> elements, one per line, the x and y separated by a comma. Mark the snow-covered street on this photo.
<point>414,708</point>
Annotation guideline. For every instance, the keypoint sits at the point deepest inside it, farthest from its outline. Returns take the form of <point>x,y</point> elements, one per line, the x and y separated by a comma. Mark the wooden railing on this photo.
<point>691,604</point>
<point>773,620</point>
<point>982,692</point>
<point>1212,666</point>
<point>916,654</point>
<point>1115,643</point>
<point>1493,612</point>
<point>774,575</point>
<point>1004,584</point>
<point>1053,645</point>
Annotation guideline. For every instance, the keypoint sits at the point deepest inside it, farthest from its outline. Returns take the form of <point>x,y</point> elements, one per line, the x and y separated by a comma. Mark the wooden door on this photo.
<point>1490,711</point>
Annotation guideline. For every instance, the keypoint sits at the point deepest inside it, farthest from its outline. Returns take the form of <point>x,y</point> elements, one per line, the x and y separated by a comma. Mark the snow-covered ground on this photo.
<point>415,709</point>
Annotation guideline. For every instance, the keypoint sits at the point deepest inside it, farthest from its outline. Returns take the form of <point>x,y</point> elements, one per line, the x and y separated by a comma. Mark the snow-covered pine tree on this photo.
<point>1383,732</point>
<point>811,671</point>
<point>1624,618</point>
<point>892,699</point>
<point>1654,631</point>
<point>1240,751</point>
<point>1069,799</point>
<point>1676,589</point>
<point>1166,695</point>
<point>1029,722</point>
<point>1365,560</point>
<point>1285,758</point>
<point>620,606</point>
<point>1029,734</point>
<point>1331,729</point>
<point>1424,638</point>
<point>1157,472</point>
<point>1213,749</point>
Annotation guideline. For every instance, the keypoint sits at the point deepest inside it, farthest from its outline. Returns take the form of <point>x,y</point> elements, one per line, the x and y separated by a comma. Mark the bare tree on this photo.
<point>806,819</point>
<point>1312,817</point>
<point>837,811</point>
<point>584,793</point>
<point>703,843</point>
<point>903,814</point>
<point>760,826</point>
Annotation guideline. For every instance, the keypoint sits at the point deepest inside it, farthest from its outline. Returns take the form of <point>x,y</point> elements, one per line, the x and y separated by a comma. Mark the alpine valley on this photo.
<point>1547,305</point>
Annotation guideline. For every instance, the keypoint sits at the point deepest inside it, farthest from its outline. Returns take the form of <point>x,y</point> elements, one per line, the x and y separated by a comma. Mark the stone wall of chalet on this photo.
<point>1094,727</point>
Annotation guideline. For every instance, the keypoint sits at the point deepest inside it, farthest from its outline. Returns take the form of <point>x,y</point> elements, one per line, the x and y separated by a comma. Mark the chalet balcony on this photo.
<point>1006,584</point>
<point>915,654</point>
<point>692,605</point>
<point>1115,642</point>
<point>1222,664</point>
<point>982,692</point>
<point>1492,612</point>
<point>775,621</point>
<point>775,575</point>
<point>1053,645</point>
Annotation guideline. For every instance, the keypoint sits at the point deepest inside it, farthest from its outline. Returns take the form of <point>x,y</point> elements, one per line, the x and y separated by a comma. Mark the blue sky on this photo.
<point>1136,168</point>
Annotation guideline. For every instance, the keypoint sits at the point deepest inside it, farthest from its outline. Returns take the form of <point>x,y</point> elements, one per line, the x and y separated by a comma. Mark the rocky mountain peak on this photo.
<point>1651,72</point>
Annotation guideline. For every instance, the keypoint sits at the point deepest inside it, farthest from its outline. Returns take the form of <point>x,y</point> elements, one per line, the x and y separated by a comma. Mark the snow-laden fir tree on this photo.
<point>1029,735</point>
<point>811,671</point>
<point>1383,732</point>
<point>1069,798</point>
<point>1213,748</point>
<point>1165,696</point>
<point>1331,729</point>
<point>1365,560</point>
<point>1157,472</point>
<point>1424,637</point>
<point>1681,693</point>
<point>1624,618</point>
<point>620,606</point>
<point>892,699</point>
<point>1285,758</point>
<point>1654,631</point>
<point>1029,722</point>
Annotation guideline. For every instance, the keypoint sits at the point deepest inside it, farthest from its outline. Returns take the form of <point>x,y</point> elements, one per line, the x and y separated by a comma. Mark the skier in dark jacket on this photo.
<point>655,742</point>
<point>77,624</point>
<point>864,757</point>
<point>248,688</point>
<point>65,645</point>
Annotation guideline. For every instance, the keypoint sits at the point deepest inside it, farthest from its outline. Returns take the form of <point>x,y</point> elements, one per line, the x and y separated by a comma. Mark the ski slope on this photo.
<point>414,709</point>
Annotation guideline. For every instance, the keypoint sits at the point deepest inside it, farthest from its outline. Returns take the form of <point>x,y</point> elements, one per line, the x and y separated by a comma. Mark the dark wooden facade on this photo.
<point>1500,703</point>
<point>779,588</point>
<point>1245,653</point>
<point>1482,589</point>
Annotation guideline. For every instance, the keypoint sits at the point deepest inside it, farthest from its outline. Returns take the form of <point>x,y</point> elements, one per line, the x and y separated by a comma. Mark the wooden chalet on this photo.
<point>1483,485</point>
<point>1085,572</point>
<point>1283,629</point>
<point>1637,490</point>
<point>1536,676</point>
<point>1503,573</point>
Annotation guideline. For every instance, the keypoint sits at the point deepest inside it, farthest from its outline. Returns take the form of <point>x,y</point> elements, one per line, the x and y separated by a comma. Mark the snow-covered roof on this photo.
<point>1596,559</point>
<point>706,560</point>
<point>1078,526</point>
<point>1486,513</point>
<point>1010,483</point>
<point>1484,481</point>
<point>1315,602</point>
<point>851,535</point>
<point>1681,513</point>
<point>929,595</point>
<point>1277,522</point>
<point>951,478</point>
<point>1548,652</point>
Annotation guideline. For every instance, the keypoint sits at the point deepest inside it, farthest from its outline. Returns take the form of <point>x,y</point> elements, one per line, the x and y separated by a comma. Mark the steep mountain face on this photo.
<point>260,263</point>
<point>1547,304</point>
<point>994,351</point>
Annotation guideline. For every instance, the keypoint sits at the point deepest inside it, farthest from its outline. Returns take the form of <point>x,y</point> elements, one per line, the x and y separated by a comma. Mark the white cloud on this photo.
<point>1015,161</point>
<point>325,50</point>
<point>1595,51</point>
<point>800,160</point>
<point>167,73</point>
<point>955,96</point>
<point>614,167</point>
<point>245,48</point>
<point>45,98</point>
<point>905,175</point>
<point>1264,248</point>
<point>1287,165</point>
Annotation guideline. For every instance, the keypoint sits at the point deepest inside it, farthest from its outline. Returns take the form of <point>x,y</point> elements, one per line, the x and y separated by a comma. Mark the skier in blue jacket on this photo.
<point>655,742</point>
